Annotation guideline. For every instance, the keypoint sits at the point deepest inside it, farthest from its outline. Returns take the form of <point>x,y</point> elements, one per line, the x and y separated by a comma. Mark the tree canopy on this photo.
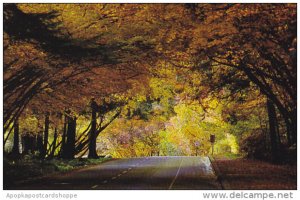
<point>153,79</point>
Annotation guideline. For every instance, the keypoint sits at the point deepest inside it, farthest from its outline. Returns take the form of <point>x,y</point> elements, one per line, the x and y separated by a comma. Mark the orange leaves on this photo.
<point>109,50</point>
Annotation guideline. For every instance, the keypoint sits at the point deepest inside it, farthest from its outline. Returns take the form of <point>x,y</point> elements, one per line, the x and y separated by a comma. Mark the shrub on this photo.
<point>254,146</point>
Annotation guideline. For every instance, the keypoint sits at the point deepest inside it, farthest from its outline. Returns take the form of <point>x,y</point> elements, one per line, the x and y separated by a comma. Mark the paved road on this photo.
<point>157,173</point>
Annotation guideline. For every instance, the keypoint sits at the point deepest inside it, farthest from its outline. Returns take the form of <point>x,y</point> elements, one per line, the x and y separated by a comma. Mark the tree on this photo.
<point>46,135</point>
<point>16,145</point>
<point>71,136</point>
<point>92,135</point>
<point>266,60</point>
<point>147,67</point>
<point>52,54</point>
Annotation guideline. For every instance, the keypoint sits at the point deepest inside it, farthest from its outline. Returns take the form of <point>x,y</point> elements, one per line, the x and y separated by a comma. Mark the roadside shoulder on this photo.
<point>220,177</point>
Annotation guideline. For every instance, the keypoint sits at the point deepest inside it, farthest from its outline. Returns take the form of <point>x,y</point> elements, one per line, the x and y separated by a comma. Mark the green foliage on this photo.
<point>31,167</point>
<point>227,145</point>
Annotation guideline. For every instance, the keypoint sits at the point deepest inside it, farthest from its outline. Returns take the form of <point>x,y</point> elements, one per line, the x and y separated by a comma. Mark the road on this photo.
<point>146,173</point>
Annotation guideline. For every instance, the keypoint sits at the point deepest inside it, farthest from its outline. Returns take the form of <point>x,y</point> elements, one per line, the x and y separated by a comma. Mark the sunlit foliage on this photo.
<point>150,79</point>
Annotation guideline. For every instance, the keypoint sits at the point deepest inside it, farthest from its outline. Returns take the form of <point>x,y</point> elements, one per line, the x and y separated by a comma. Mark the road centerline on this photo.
<point>158,172</point>
<point>93,187</point>
<point>173,181</point>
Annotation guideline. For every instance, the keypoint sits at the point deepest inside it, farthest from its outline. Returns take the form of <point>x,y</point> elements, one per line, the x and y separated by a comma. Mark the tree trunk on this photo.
<point>277,131</point>
<point>71,134</point>
<point>25,144</point>
<point>291,127</point>
<point>28,143</point>
<point>54,143</point>
<point>33,143</point>
<point>39,143</point>
<point>273,131</point>
<point>290,117</point>
<point>294,126</point>
<point>24,141</point>
<point>15,149</point>
<point>64,139</point>
<point>46,134</point>
<point>93,135</point>
<point>84,143</point>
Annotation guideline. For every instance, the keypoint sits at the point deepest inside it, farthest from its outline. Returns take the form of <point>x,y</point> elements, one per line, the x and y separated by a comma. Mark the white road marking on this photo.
<point>129,168</point>
<point>95,186</point>
<point>171,185</point>
<point>113,178</point>
<point>119,174</point>
<point>62,183</point>
<point>124,172</point>
<point>104,181</point>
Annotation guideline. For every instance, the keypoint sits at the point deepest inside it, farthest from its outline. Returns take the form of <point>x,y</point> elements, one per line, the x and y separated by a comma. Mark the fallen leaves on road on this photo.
<point>253,174</point>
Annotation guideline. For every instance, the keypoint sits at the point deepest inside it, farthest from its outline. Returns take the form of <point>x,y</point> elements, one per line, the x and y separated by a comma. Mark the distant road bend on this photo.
<point>145,173</point>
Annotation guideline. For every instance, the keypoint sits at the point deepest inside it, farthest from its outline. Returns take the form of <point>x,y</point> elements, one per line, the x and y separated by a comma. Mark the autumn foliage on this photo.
<point>150,79</point>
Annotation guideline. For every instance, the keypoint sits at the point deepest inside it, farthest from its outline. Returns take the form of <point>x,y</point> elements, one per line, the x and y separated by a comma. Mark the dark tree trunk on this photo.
<point>26,144</point>
<point>288,132</point>
<point>32,143</point>
<point>294,126</point>
<point>273,131</point>
<point>84,143</point>
<point>54,143</point>
<point>93,134</point>
<point>291,127</point>
<point>63,140</point>
<point>277,131</point>
<point>71,134</point>
<point>46,134</point>
<point>290,117</point>
<point>15,149</point>
<point>39,143</point>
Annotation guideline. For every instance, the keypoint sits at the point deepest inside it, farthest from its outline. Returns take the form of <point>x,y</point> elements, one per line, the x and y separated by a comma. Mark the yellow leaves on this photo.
<point>29,124</point>
<point>252,101</point>
<point>35,8</point>
<point>213,103</point>
<point>227,145</point>
<point>133,33</point>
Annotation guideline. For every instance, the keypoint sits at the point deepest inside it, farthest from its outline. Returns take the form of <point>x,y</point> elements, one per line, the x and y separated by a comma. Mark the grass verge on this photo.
<point>28,167</point>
